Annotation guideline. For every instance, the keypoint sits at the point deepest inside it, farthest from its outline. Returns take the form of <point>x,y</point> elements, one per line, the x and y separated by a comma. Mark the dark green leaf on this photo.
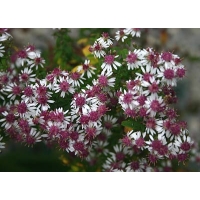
<point>135,124</point>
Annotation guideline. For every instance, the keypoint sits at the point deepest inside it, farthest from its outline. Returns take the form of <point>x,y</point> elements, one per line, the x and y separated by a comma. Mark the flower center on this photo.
<point>74,135</point>
<point>24,77</point>
<point>28,91</point>
<point>103,81</point>
<point>85,67</point>
<point>10,118</point>
<point>128,98</point>
<point>155,105</point>
<point>131,58</point>
<point>175,129</point>
<point>91,132</point>
<point>64,86</point>
<point>22,54</point>
<point>94,116</point>
<point>80,101</point>
<point>38,60</point>
<point>180,72</point>
<point>22,108</point>
<point>78,146</point>
<point>147,76</point>
<point>140,142</point>
<point>109,59</point>
<point>167,56</point>
<point>169,74</point>
<point>121,33</point>
<point>185,146</point>
<point>135,165</point>
<point>153,88</point>
<point>156,145</point>
<point>75,75</point>
<point>16,90</point>
<point>126,141</point>
<point>84,119</point>
<point>151,123</point>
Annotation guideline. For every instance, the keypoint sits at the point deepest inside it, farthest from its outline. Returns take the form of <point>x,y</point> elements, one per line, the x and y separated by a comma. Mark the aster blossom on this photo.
<point>109,63</point>
<point>121,34</point>
<point>104,80</point>
<point>87,68</point>
<point>99,49</point>
<point>105,38</point>
<point>133,59</point>
<point>64,86</point>
<point>36,61</point>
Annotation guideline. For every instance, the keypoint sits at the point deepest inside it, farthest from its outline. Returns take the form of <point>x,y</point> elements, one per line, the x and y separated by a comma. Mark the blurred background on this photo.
<point>181,41</point>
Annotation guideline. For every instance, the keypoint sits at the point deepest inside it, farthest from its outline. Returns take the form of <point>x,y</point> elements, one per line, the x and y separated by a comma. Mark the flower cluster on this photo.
<point>147,98</point>
<point>116,113</point>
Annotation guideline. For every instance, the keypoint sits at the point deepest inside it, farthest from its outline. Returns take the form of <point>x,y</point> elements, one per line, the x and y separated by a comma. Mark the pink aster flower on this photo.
<point>152,125</point>
<point>109,63</point>
<point>33,137</point>
<point>87,68</point>
<point>98,49</point>
<point>94,117</point>
<point>147,72</point>
<point>183,143</point>
<point>8,120</point>
<point>82,104</point>
<point>109,122</point>
<point>133,59</point>
<point>151,58</point>
<point>25,109</point>
<point>158,146</point>
<point>26,75</point>
<point>167,59</point>
<point>163,128</point>
<point>29,93</point>
<point>23,56</point>
<point>128,100</point>
<point>43,95</point>
<point>77,79</point>
<point>101,147</point>
<point>153,86</point>
<point>64,86</point>
<point>36,61</point>
<point>180,71</point>
<point>120,152</point>
<point>105,38</point>
<point>79,145</point>
<point>154,104</point>
<point>137,139</point>
<point>105,81</point>
<point>168,76</point>
<point>121,34</point>
<point>92,131</point>
<point>13,90</point>
<point>53,129</point>
<point>60,116</point>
